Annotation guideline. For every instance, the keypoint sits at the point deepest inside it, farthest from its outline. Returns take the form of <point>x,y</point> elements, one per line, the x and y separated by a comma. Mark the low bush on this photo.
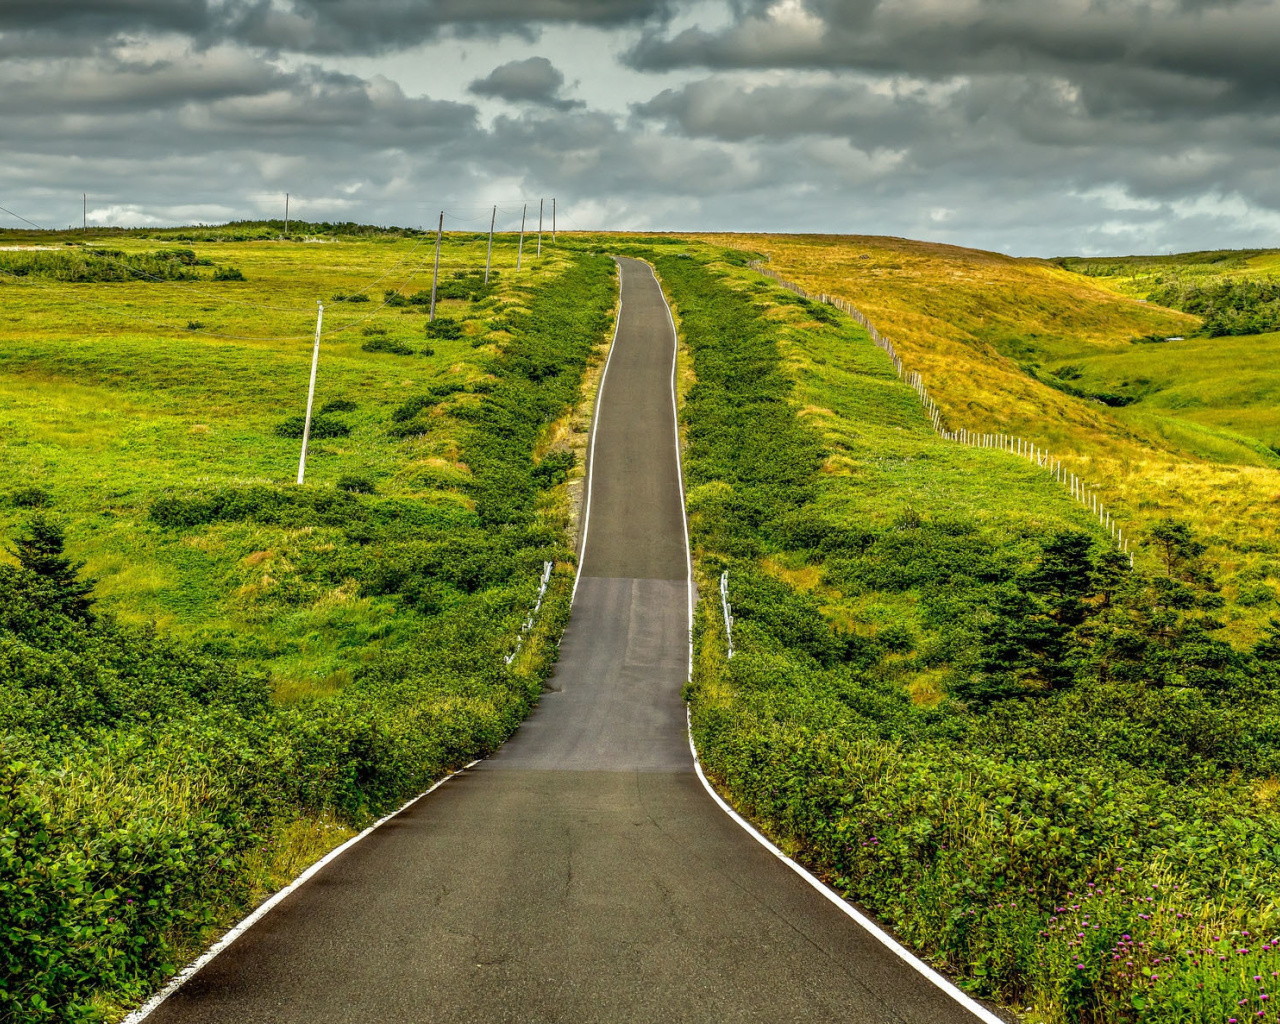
<point>390,346</point>
<point>321,427</point>
<point>444,328</point>
<point>30,497</point>
<point>356,484</point>
<point>554,468</point>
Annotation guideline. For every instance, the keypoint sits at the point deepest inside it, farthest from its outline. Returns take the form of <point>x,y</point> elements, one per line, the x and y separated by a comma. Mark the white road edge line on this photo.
<point>864,922</point>
<point>591,453</point>
<point>684,515</point>
<point>192,969</point>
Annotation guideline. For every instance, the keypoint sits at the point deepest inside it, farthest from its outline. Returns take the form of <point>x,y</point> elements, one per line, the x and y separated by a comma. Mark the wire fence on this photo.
<point>1075,485</point>
<point>528,622</point>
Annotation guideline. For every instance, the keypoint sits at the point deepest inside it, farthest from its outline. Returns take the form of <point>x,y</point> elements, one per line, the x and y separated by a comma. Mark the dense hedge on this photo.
<point>1078,826</point>
<point>81,265</point>
<point>138,776</point>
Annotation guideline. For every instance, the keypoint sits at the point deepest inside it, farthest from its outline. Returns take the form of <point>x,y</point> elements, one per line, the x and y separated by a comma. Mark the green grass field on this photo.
<point>106,410</point>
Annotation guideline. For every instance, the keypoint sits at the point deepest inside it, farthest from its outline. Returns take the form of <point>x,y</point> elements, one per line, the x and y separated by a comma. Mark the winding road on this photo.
<point>583,873</point>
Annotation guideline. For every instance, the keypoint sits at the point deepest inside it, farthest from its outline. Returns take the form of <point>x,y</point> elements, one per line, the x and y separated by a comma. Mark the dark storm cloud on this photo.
<point>1230,43</point>
<point>533,80</point>
<point>303,26</point>
<point>1039,127</point>
<point>371,26</point>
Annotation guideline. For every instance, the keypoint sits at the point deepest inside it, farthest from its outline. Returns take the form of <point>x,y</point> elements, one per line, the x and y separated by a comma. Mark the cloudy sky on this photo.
<point>1035,127</point>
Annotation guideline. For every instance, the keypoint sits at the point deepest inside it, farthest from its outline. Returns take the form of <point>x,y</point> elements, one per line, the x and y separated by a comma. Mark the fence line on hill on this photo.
<point>1033,452</point>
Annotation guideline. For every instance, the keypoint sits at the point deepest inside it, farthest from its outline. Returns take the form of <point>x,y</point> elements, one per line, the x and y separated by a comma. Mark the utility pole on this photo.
<point>311,393</point>
<point>286,213</point>
<point>488,259</point>
<point>553,220</point>
<point>84,198</point>
<point>520,248</point>
<point>540,202</point>
<point>435,275</point>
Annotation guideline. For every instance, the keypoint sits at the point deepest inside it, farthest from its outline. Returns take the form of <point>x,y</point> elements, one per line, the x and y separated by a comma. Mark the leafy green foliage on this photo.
<point>82,265</point>
<point>1089,772</point>
<point>30,497</point>
<point>444,327</point>
<point>391,346</point>
<point>1229,305</point>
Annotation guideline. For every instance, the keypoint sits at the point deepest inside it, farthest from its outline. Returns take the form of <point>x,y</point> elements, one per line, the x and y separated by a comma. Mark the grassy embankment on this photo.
<point>1044,769</point>
<point>1028,348</point>
<point>267,667</point>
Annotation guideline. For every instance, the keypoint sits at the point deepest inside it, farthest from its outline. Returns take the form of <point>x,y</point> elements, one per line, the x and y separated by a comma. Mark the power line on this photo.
<point>24,220</point>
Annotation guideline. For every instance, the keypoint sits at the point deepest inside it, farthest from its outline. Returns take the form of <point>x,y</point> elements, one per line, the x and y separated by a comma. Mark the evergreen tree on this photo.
<point>40,551</point>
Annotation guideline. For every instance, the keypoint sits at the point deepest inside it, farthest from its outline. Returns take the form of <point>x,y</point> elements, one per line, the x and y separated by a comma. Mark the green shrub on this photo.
<point>321,427</point>
<point>390,346</point>
<point>30,497</point>
<point>356,484</point>
<point>445,328</point>
<point>554,468</point>
<point>228,274</point>
<point>338,405</point>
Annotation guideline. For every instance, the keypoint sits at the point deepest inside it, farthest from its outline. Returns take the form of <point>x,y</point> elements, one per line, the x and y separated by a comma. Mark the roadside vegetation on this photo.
<point>209,675</point>
<point>952,699</point>
<point>1161,419</point>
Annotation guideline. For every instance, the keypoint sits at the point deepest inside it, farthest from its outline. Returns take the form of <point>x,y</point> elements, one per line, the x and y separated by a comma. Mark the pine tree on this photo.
<point>40,551</point>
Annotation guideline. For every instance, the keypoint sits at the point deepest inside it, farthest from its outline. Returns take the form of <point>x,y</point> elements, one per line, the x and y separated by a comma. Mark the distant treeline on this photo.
<point>1228,305</point>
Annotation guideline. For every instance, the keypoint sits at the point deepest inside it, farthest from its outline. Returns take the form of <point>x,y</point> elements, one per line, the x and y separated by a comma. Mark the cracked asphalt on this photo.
<point>582,874</point>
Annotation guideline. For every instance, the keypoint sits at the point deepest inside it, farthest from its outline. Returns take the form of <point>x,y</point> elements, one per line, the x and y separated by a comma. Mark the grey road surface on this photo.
<point>582,874</point>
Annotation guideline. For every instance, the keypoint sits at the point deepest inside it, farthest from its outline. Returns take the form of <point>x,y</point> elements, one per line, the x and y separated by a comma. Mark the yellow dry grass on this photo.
<point>962,317</point>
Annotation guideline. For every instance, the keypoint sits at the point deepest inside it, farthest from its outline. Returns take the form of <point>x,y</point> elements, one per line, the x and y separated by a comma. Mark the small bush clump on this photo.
<point>387,346</point>
<point>30,497</point>
<point>444,327</point>
<point>356,484</point>
<point>321,427</point>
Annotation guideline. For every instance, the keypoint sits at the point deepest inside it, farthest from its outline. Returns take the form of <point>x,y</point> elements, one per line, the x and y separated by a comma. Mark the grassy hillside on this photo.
<point>1026,347</point>
<point>108,402</point>
<point>266,666</point>
<point>952,699</point>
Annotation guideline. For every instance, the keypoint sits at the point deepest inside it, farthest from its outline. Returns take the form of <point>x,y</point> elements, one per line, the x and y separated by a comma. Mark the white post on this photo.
<point>311,393</point>
<point>286,213</point>
<point>520,248</point>
<point>540,202</point>
<point>488,259</point>
<point>435,275</point>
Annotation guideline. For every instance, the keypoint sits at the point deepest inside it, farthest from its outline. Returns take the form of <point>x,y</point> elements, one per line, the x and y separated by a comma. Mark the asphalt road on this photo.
<point>582,874</point>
